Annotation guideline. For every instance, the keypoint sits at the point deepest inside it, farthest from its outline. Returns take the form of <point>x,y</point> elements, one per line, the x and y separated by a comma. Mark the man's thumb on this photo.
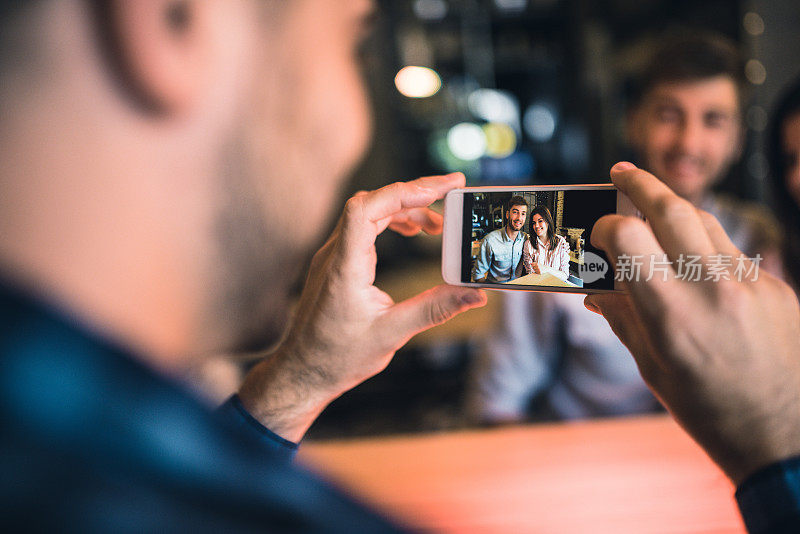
<point>430,308</point>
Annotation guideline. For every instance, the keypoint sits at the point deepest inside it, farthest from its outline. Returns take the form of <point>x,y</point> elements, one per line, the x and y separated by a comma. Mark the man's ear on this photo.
<point>159,48</point>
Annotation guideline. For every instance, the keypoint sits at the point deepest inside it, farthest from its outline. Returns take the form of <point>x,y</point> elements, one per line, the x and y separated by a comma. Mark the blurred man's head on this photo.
<point>686,122</point>
<point>516,213</point>
<point>154,151</point>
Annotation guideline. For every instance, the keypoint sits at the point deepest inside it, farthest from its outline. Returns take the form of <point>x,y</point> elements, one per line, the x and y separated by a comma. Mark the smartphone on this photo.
<point>531,238</point>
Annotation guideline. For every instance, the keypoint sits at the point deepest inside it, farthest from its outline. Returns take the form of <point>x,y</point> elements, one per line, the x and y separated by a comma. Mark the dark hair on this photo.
<point>517,200</point>
<point>787,209</point>
<point>691,55</point>
<point>551,231</point>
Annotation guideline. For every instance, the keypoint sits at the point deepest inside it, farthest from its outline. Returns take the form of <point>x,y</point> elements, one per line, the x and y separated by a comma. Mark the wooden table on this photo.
<point>543,279</point>
<point>641,475</point>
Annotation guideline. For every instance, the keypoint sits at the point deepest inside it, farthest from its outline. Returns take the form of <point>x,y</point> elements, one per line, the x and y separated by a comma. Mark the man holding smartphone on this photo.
<point>501,249</point>
<point>154,156</point>
<point>548,358</point>
<point>154,153</point>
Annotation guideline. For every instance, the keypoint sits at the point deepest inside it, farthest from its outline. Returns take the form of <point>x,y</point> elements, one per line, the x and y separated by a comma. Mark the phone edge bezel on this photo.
<point>453,227</point>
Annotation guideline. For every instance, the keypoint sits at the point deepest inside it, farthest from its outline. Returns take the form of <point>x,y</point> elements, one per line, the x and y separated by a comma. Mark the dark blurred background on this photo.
<point>519,92</point>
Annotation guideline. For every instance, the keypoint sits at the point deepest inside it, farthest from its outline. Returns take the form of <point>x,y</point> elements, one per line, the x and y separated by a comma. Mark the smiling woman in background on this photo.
<point>550,253</point>
<point>784,159</point>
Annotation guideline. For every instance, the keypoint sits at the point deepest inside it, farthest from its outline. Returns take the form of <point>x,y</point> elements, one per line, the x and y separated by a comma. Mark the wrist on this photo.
<point>284,394</point>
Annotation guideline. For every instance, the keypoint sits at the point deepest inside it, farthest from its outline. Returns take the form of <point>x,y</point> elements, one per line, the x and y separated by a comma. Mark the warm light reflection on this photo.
<point>500,139</point>
<point>753,23</point>
<point>466,141</point>
<point>755,72</point>
<point>494,106</point>
<point>417,82</point>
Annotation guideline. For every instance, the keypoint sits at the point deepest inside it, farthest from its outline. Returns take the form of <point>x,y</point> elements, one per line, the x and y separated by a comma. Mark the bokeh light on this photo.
<point>539,122</point>
<point>466,141</point>
<point>494,106</point>
<point>430,9</point>
<point>755,72</point>
<point>511,5</point>
<point>417,82</point>
<point>501,140</point>
<point>753,23</point>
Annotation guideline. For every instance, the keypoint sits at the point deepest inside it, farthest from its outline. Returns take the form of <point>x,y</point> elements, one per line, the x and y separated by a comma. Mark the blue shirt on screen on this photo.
<point>499,256</point>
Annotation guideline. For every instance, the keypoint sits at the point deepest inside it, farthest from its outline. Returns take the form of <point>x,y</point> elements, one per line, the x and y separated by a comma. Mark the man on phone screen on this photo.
<point>501,249</point>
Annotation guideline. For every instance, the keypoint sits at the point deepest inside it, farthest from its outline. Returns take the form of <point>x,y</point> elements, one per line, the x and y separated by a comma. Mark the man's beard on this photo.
<point>255,265</point>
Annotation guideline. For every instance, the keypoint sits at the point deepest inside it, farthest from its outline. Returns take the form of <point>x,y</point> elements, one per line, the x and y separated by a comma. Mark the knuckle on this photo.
<point>354,208</point>
<point>733,298</point>
<point>397,188</point>
<point>438,313</point>
<point>322,257</point>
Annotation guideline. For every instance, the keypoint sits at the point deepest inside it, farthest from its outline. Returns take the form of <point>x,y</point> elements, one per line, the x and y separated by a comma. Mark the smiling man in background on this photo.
<point>548,358</point>
<point>687,128</point>
<point>154,153</point>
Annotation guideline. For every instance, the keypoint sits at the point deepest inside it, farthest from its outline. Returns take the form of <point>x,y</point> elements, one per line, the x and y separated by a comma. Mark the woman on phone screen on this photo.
<point>544,251</point>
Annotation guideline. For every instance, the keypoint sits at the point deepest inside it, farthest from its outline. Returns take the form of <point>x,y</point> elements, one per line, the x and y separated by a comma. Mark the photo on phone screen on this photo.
<point>536,239</point>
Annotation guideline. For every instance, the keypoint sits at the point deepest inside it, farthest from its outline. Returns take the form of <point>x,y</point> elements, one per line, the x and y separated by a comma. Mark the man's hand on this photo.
<point>345,329</point>
<point>724,356</point>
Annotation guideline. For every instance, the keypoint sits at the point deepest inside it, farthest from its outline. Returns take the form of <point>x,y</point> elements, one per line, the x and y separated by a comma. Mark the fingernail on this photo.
<point>473,297</point>
<point>623,166</point>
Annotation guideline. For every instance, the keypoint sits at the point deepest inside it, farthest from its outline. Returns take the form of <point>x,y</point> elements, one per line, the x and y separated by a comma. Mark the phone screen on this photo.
<point>538,239</point>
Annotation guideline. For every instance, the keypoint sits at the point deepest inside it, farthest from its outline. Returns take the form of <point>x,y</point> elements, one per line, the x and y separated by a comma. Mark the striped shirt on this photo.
<point>557,258</point>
